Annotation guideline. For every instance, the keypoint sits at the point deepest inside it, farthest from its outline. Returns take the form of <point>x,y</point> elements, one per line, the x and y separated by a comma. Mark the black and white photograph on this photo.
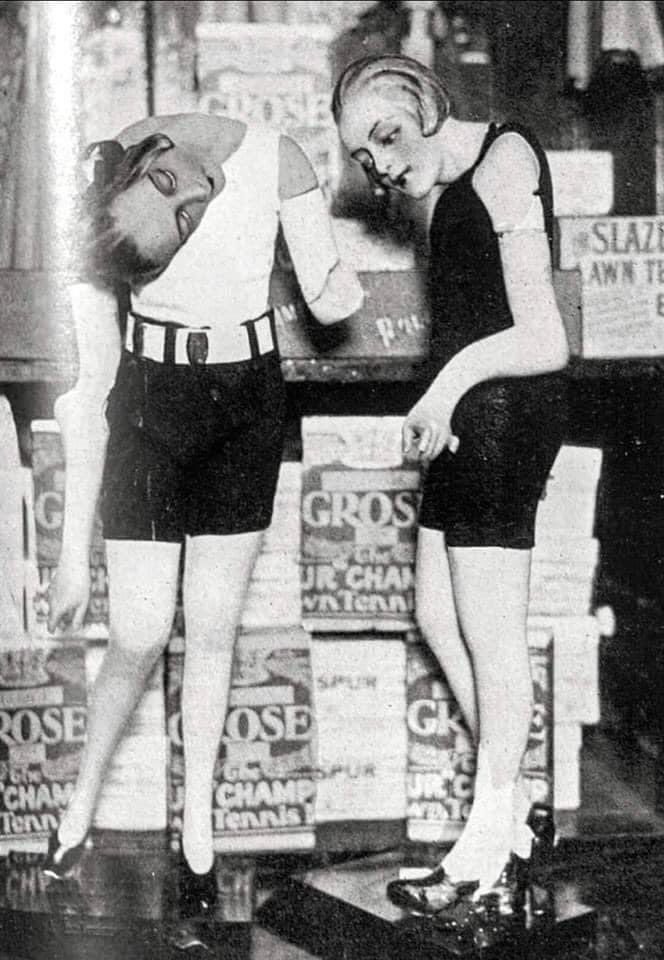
<point>331,479</point>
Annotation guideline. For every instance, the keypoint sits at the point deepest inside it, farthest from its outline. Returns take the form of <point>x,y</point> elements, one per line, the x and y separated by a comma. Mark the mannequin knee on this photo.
<point>141,638</point>
<point>440,630</point>
<point>212,635</point>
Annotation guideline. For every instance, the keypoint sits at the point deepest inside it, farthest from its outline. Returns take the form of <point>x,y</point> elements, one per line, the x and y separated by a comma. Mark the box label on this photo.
<point>43,720</point>
<point>360,699</point>
<point>48,469</point>
<point>360,502</point>
<point>359,529</point>
<point>276,75</point>
<point>622,266</point>
<point>441,756</point>
<point>264,782</point>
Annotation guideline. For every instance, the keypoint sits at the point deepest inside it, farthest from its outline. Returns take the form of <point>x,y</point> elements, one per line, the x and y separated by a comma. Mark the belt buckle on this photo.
<point>259,343</point>
<point>198,348</point>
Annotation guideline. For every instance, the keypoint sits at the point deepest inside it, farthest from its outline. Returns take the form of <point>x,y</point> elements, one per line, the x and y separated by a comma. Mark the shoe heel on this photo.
<point>198,892</point>
<point>67,862</point>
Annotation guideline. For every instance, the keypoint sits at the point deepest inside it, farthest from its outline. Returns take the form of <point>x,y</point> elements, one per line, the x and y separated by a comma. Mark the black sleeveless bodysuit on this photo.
<point>510,429</point>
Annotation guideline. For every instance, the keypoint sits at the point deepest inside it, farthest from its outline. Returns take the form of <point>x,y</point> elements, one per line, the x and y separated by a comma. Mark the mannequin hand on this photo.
<point>68,595</point>
<point>427,429</point>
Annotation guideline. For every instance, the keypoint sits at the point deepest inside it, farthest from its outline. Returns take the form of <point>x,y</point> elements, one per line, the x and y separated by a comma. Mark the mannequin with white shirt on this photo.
<point>188,219</point>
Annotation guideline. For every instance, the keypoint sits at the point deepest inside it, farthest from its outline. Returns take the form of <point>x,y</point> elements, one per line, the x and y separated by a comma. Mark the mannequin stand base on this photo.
<point>343,912</point>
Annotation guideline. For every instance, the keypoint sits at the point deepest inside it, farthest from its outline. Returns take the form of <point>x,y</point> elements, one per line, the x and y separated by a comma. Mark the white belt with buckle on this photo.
<point>230,345</point>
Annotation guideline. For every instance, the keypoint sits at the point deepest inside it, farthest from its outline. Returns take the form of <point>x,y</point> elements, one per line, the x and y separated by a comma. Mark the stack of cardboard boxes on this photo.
<point>359,510</point>
<point>564,566</point>
<point>348,719</point>
<point>42,682</point>
<point>273,596</point>
<point>264,779</point>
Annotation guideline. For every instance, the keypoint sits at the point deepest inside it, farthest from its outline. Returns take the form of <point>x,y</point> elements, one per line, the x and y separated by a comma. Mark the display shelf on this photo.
<point>348,370</point>
<point>13,370</point>
<point>618,368</point>
<point>37,341</point>
<point>409,369</point>
<point>352,370</point>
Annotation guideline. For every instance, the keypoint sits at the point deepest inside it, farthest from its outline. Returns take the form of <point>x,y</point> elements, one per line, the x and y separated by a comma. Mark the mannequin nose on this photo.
<point>197,191</point>
<point>383,166</point>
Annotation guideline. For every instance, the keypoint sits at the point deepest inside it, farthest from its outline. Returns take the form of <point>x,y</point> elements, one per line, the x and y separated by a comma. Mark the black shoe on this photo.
<point>497,909</point>
<point>429,894</point>
<point>68,860</point>
<point>489,928</point>
<point>197,891</point>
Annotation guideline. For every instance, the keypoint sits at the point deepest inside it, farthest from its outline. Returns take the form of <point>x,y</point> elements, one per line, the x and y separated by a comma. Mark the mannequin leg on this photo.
<point>491,594</point>
<point>142,589</point>
<point>217,571</point>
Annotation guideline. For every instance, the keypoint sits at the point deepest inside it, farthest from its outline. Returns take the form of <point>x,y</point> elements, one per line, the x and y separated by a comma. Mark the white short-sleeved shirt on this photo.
<point>221,275</point>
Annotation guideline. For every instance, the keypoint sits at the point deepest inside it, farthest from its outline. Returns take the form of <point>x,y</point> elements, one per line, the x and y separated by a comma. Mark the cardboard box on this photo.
<point>582,182</point>
<point>113,80</point>
<point>441,757</point>
<point>264,783</point>
<point>360,706</point>
<point>43,722</point>
<point>273,595</point>
<point>576,686</point>
<point>557,592</point>
<point>133,794</point>
<point>12,523</point>
<point>277,74</point>
<point>394,321</point>
<point>622,269</point>
<point>48,470</point>
<point>359,525</point>
<point>567,767</point>
<point>567,508</point>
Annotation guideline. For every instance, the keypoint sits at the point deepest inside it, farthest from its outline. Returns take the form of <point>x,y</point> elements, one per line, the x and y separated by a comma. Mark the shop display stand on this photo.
<point>120,904</point>
<point>343,912</point>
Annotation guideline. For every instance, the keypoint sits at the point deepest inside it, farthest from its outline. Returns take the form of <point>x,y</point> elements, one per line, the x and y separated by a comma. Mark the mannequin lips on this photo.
<point>399,182</point>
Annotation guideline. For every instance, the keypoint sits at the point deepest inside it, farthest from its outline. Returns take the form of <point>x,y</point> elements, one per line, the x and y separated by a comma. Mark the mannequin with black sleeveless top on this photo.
<point>488,426</point>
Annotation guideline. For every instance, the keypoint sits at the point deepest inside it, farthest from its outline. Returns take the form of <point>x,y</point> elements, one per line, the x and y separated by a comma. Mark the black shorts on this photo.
<point>486,494</point>
<point>192,450</point>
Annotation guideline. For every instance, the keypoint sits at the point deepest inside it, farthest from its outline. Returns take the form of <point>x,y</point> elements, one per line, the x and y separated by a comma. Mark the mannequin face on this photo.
<point>163,209</point>
<point>381,130</point>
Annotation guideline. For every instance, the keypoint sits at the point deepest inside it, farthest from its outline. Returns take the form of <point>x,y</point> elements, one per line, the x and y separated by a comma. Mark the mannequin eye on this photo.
<point>391,137</point>
<point>164,181</point>
<point>185,225</point>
